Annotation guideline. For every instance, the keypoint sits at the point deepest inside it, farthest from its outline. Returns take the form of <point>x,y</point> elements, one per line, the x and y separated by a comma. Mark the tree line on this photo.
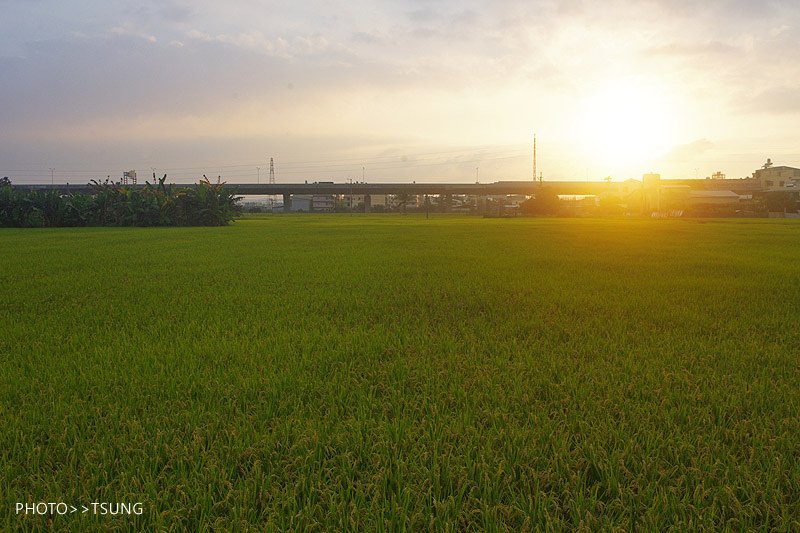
<point>115,204</point>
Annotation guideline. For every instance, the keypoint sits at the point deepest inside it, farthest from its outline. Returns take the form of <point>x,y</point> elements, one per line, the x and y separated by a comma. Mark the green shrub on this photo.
<point>113,204</point>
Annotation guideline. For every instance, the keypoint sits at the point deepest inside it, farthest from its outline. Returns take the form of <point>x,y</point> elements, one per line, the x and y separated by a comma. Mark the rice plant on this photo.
<point>397,373</point>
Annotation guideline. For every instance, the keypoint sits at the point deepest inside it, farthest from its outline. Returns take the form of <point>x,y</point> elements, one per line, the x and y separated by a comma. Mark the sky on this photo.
<point>436,90</point>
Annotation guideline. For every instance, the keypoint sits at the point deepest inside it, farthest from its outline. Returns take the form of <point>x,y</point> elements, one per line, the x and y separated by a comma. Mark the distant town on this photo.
<point>771,191</point>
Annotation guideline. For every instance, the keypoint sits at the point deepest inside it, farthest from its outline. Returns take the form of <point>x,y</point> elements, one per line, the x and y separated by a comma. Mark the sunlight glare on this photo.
<point>626,122</point>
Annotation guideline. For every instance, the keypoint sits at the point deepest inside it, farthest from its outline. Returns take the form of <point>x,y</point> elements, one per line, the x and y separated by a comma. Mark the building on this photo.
<point>509,200</point>
<point>317,203</point>
<point>772,178</point>
<point>714,199</point>
<point>651,193</point>
<point>578,204</point>
<point>379,200</point>
<point>629,186</point>
<point>323,203</point>
<point>129,176</point>
<point>352,201</point>
<point>364,201</point>
<point>302,202</point>
<point>675,196</point>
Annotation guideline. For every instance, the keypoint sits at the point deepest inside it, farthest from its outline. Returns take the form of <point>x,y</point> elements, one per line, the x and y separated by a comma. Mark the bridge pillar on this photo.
<point>481,204</point>
<point>367,203</point>
<point>287,203</point>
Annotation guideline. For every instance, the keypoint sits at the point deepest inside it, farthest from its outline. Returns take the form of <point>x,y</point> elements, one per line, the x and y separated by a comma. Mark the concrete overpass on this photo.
<point>278,189</point>
<point>498,188</point>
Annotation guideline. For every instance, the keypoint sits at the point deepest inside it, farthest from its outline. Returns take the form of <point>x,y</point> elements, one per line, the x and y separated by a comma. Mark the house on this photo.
<point>307,203</point>
<point>302,202</point>
<point>352,201</point>
<point>323,203</point>
<point>379,200</point>
<point>714,198</point>
<point>772,178</point>
<point>675,197</point>
<point>714,202</point>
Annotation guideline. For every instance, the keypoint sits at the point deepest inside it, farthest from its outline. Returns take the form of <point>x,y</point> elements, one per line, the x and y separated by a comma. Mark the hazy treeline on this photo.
<point>115,204</point>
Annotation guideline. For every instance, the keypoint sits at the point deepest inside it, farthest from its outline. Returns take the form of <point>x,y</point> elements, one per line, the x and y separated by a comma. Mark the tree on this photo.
<point>113,204</point>
<point>544,203</point>
<point>610,205</point>
<point>780,201</point>
<point>402,201</point>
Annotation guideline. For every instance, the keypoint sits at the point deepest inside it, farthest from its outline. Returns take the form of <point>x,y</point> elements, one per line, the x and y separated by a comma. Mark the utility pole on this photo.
<point>534,158</point>
<point>363,173</point>
<point>258,179</point>
<point>271,171</point>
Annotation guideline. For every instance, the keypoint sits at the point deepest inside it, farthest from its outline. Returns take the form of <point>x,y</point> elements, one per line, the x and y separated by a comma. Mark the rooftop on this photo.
<point>714,194</point>
<point>783,167</point>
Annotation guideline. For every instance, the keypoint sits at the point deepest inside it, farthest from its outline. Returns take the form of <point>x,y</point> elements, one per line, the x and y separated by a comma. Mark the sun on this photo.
<point>625,123</point>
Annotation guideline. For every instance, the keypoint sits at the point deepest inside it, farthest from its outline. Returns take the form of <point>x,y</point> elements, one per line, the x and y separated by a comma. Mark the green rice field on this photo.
<point>392,373</point>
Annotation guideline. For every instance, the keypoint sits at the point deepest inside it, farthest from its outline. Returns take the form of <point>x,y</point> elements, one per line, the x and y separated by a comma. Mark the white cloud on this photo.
<point>255,40</point>
<point>129,29</point>
<point>779,30</point>
<point>413,66</point>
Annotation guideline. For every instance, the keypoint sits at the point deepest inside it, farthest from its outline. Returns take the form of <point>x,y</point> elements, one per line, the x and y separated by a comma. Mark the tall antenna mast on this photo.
<point>271,171</point>
<point>534,158</point>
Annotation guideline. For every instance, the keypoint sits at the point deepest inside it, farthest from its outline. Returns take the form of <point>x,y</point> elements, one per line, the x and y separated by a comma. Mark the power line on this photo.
<point>308,163</point>
<point>317,166</point>
<point>343,166</point>
<point>249,173</point>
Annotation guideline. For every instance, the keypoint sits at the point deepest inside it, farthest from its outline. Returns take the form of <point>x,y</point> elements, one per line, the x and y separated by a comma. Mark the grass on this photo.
<point>395,373</point>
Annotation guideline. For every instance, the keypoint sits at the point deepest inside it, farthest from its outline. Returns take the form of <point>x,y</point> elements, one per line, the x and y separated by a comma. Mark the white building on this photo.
<point>313,203</point>
<point>771,178</point>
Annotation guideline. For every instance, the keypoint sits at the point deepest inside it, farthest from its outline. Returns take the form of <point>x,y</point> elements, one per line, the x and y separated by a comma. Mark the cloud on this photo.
<point>783,100</point>
<point>694,50</point>
<point>169,11</point>
<point>364,37</point>
<point>108,64</point>
<point>688,152</point>
<point>66,82</point>
<point>176,13</point>
<point>60,84</point>
<point>255,40</point>
<point>128,29</point>
<point>423,15</point>
<point>779,30</point>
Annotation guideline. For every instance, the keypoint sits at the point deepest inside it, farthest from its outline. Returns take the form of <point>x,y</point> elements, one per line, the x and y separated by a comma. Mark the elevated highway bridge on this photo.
<point>498,188</point>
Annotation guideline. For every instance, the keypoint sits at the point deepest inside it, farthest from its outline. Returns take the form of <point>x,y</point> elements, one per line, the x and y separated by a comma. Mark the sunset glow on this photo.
<point>625,123</point>
<point>615,89</point>
<point>400,265</point>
